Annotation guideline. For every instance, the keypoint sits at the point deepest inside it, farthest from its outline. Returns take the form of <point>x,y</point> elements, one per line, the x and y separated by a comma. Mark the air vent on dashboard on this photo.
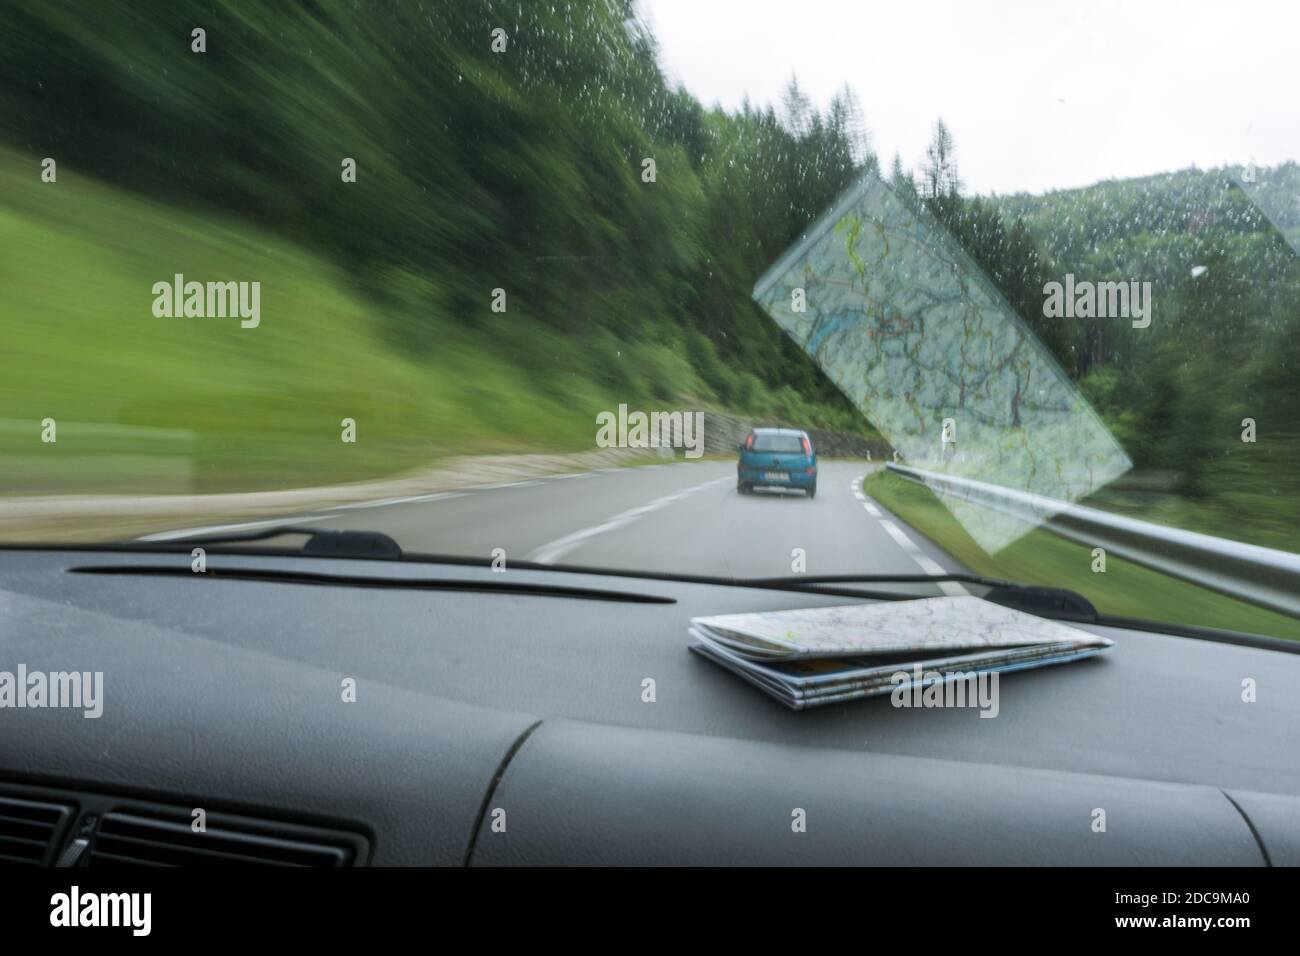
<point>28,830</point>
<point>140,839</point>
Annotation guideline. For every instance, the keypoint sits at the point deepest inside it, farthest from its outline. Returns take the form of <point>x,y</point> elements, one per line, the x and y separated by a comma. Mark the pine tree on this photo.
<point>798,109</point>
<point>939,177</point>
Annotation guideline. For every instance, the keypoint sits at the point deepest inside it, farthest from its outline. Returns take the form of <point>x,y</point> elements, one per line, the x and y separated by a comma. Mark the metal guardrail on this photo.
<point>1262,576</point>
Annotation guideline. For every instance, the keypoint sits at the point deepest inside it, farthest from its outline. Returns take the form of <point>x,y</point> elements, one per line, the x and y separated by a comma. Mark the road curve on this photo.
<point>684,517</point>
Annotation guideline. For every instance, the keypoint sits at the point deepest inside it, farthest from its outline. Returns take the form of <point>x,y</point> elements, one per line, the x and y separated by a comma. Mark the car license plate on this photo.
<point>776,475</point>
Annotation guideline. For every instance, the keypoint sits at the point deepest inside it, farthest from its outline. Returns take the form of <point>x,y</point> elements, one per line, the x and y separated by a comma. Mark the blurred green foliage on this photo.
<point>1224,340</point>
<point>476,170</point>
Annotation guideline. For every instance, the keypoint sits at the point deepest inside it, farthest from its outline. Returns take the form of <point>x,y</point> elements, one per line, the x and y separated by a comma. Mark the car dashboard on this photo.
<point>435,716</point>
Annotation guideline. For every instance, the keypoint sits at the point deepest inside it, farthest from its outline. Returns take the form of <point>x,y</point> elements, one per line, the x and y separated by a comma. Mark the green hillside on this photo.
<point>262,407</point>
<point>522,170</point>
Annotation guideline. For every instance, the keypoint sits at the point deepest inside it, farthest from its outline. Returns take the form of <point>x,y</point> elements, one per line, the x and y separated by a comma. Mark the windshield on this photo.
<point>514,283</point>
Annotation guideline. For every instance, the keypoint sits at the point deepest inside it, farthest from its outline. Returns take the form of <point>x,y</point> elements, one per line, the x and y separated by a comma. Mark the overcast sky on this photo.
<point>1039,94</point>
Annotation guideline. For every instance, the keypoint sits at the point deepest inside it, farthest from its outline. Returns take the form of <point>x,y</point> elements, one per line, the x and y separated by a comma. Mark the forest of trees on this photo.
<point>1224,342</point>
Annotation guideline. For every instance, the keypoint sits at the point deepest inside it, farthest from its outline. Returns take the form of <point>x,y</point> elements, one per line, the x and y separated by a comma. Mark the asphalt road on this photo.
<point>684,517</point>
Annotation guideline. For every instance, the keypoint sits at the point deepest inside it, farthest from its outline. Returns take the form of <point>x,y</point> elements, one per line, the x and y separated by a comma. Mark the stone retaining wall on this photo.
<point>722,433</point>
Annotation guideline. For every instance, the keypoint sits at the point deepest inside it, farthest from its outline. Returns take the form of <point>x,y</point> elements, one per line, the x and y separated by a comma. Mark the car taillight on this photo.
<point>807,447</point>
<point>749,442</point>
<point>810,470</point>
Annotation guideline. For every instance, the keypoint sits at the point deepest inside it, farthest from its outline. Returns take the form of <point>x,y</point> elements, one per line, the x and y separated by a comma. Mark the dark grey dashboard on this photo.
<point>510,728</point>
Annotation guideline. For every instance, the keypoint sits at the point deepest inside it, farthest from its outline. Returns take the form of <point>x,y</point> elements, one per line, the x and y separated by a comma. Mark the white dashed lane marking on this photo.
<point>900,539</point>
<point>923,561</point>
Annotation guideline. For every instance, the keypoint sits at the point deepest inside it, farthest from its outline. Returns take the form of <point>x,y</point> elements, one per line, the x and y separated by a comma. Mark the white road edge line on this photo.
<point>408,499</point>
<point>552,551</point>
<point>222,528</point>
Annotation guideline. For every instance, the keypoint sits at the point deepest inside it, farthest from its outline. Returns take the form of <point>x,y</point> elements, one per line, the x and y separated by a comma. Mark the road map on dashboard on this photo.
<point>922,647</point>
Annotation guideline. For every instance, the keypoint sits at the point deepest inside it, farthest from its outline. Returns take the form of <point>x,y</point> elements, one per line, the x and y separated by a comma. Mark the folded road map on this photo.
<point>805,658</point>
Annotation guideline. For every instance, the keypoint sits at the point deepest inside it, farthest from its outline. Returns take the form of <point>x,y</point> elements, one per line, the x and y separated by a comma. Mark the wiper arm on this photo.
<point>1060,604</point>
<point>400,583</point>
<point>320,541</point>
<point>1056,603</point>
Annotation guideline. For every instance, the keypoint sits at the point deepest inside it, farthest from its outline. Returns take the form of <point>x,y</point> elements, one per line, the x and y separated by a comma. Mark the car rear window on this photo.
<point>777,443</point>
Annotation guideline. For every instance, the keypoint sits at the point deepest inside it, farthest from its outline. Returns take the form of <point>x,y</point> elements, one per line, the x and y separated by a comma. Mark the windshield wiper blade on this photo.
<point>793,581</point>
<point>320,541</point>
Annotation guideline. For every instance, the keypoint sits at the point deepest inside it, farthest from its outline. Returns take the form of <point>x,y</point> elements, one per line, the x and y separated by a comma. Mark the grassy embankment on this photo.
<point>147,404</point>
<point>1126,589</point>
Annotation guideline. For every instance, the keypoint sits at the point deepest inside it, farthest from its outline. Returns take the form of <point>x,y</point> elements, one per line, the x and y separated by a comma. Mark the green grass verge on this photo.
<point>1041,557</point>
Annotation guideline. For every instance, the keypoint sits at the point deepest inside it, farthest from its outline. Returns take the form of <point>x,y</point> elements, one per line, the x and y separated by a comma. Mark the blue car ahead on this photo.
<point>777,458</point>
